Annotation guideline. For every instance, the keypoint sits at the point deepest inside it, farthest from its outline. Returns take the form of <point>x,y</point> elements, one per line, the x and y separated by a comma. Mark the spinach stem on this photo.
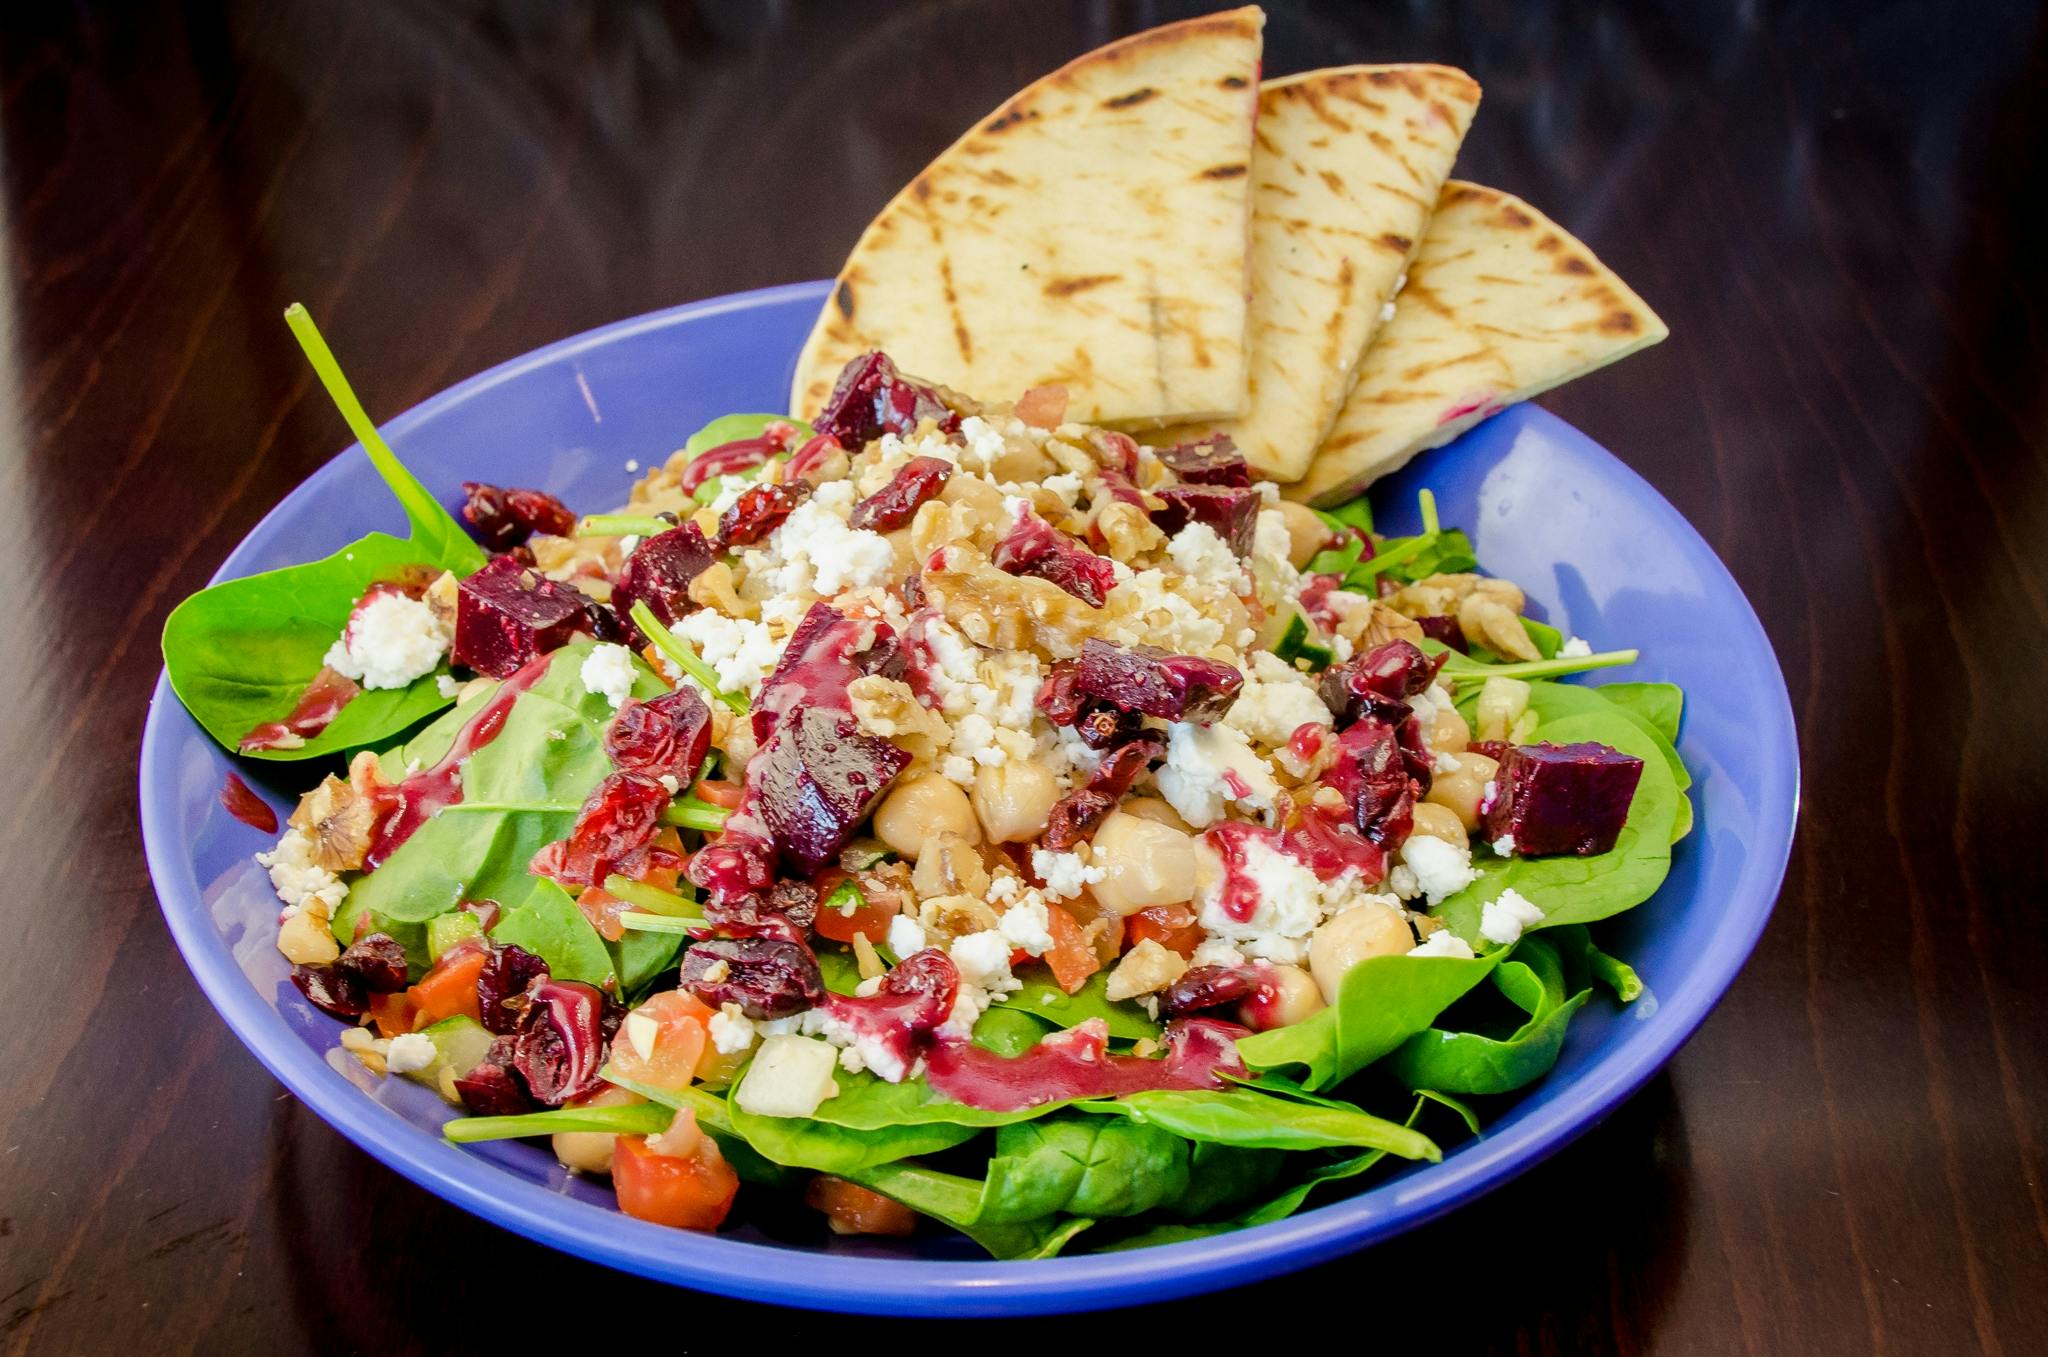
<point>515,807</point>
<point>635,922</point>
<point>637,1119</point>
<point>690,813</point>
<point>653,899</point>
<point>1462,668</point>
<point>682,657</point>
<point>621,525</point>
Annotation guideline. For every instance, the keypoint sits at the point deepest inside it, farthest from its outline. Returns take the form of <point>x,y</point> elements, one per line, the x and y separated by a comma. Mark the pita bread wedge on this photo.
<point>1347,170</point>
<point>1093,231</point>
<point>1501,305</point>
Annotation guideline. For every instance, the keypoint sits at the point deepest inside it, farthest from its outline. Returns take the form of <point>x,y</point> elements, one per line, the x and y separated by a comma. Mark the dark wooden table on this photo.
<point>1837,208</point>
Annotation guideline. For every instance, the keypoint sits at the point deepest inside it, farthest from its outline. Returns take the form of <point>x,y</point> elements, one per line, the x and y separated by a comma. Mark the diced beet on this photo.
<point>872,398</point>
<point>1416,757</point>
<point>1208,987</point>
<point>501,985</point>
<point>824,655</point>
<point>1102,726</point>
<point>1444,629</point>
<point>378,960</point>
<point>767,977</point>
<point>560,1046</point>
<point>659,571</point>
<point>1076,816</point>
<point>1214,460</point>
<point>333,990</point>
<point>502,519</point>
<point>1377,683</point>
<point>1033,546</point>
<point>611,834</point>
<point>758,511</point>
<point>896,503</point>
<point>1152,681</point>
<point>505,614</point>
<point>815,781</point>
<point>491,1089</point>
<point>1372,776</point>
<point>670,735</point>
<point>1122,766</point>
<point>1571,798</point>
<point>1233,512</point>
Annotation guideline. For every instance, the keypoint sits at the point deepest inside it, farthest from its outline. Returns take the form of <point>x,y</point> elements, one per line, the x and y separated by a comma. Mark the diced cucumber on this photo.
<point>445,930</point>
<point>1294,642</point>
<point>459,1044</point>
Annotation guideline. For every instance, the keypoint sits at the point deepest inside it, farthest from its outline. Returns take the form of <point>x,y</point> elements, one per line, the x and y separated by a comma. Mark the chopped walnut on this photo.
<point>574,558</point>
<point>949,864</point>
<point>442,597</point>
<point>1126,531</point>
<point>306,939</point>
<point>940,523</point>
<point>340,816</point>
<point>1008,612</point>
<point>866,957</point>
<point>1484,618</point>
<point>367,1050</point>
<point>714,589</point>
<point>1145,969</point>
<point>1440,595</point>
<point>886,707</point>
<point>987,516</point>
<point>955,916</point>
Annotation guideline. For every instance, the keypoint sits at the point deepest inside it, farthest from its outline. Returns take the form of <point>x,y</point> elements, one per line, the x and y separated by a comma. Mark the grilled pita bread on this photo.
<point>1501,304</point>
<point>1091,232</point>
<point>1347,170</point>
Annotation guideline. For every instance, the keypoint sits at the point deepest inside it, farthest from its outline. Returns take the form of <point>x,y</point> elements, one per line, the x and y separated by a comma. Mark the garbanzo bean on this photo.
<point>1013,800</point>
<point>1448,733</point>
<point>1306,533</point>
<point>1461,787</point>
<point>1289,995</point>
<point>931,804</point>
<point>1365,930</point>
<point>591,1151</point>
<point>1143,862</point>
<point>1440,822</point>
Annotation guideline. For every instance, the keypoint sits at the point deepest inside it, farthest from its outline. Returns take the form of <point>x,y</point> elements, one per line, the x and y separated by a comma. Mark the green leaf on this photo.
<point>1660,704</point>
<point>1468,673</point>
<point>1247,1119</point>
<point>1547,639</point>
<point>815,1143</point>
<point>1082,1166</point>
<point>1532,978</point>
<point>1042,998</point>
<point>735,428</point>
<point>1574,942</point>
<point>634,1119</point>
<point>548,924</point>
<point>956,1201</point>
<point>1007,1032</point>
<point>865,1104</point>
<point>1382,1002</point>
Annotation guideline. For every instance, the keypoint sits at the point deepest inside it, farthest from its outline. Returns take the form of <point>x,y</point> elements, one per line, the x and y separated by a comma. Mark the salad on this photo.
<point>944,815</point>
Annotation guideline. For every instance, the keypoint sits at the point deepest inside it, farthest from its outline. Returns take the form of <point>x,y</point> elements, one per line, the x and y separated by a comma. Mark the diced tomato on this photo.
<point>1071,958</point>
<point>693,1193</point>
<point>450,988</point>
<point>1170,926</point>
<point>603,909</point>
<point>665,859</point>
<point>872,918</point>
<point>852,1209</point>
<point>393,1013</point>
<point>718,793</point>
<point>680,1041</point>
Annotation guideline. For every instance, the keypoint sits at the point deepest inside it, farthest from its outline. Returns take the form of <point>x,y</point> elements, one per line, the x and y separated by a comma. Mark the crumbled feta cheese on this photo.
<point>740,652</point>
<point>1065,875</point>
<point>1274,576</point>
<point>1276,700</point>
<point>1292,902</point>
<point>906,936</point>
<point>390,641</point>
<point>632,464</point>
<point>628,545</point>
<point>984,959</point>
<point>1203,555</point>
<point>1002,886</point>
<point>446,685</point>
<point>1504,845</point>
<point>814,553</point>
<point>1441,868</point>
<point>1504,919</point>
<point>1574,648</point>
<point>969,1003</point>
<point>1027,924</point>
<point>298,880</point>
<point>985,445</point>
<point>1443,942</point>
<point>411,1052</point>
<point>1066,485</point>
<point>1401,881</point>
<point>1146,609</point>
<point>608,669</point>
<point>1201,762</point>
<point>1442,764</point>
<point>1215,953</point>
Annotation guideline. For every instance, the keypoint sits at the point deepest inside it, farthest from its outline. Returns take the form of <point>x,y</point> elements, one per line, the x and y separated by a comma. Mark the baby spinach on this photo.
<point>1043,999</point>
<point>1532,978</point>
<point>1382,1002</point>
<point>867,1104</point>
<point>1661,704</point>
<point>1583,959</point>
<point>1007,1032</point>
<point>241,653</point>
<point>634,1119</point>
<point>735,428</point>
<point>815,1143</point>
<point>1082,1166</point>
<point>1247,1119</point>
<point>956,1201</point>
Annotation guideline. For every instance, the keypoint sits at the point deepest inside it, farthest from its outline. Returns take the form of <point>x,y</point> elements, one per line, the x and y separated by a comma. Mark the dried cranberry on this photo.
<point>659,571</point>
<point>506,614</point>
<point>604,624</point>
<point>1571,798</point>
<point>1034,547</point>
<point>1148,679</point>
<point>766,977</point>
<point>333,990</point>
<point>491,1089</point>
<point>1122,766</point>
<point>1076,816</point>
<point>1213,460</point>
<point>1208,987</point>
<point>486,912</point>
<point>612,831</point>
<point>670,734</point>
<point>1497,750</point>
<point>732,868</point>
<point>1233,513</point>
<point>815,780</point>
<point>560,1046</point>
<point>505,518</point>
<point>759,511</point>
<point>1444,629</point>
<point>872,398</point>
<point>378,960</point>
<point>742,454</point>
<point>501,985</point>
<point>1061,702</point>
<point>1118,485</point>
<point>1373,778</point>
<point>813,456</point>
<point>1102,726</point>
<point>916,996</point>
<point>1116,453</point>
<point>1377,682</point>
<point>896,503</point>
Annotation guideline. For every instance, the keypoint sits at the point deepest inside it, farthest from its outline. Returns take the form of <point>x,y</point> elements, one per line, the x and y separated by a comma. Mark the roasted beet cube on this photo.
<point>612,832</point>
<point>895,504</point>
<point>822,658</point>
<point>758,511</point>
<point>815,781</point>
<point>1444,629</point>
<point>1152,681</point>
<point>1372,776</point>
<point>767,977</point>
<point>659,571</point>
<point>1034,547</point>
<point>505,614</point>
<point>872,398</point>
<point>1232,511</point>
<point>1570,798</point>
<point>669,735</point>
<point>1214,460</point>
<point>502,519</point>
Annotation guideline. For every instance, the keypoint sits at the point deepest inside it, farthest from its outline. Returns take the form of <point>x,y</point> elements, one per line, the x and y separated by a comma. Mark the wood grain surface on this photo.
<point>1838,208</point>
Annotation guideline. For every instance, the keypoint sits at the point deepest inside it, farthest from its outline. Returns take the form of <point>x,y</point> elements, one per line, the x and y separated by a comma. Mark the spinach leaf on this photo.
<point>1222,1176</point>
<point>1043,999</point>
<point>1007,1032</point>
<point>814,1143</point>
<point>1248,1119</point>
<point>865,1104</point>
<point>1470,1062</point>
<point>243,652</point>
<point>733,428</point>
<point>839,969</point>
<point>1585,961</point>
<point>956,1201</point>
<point>1382,1002</point>
<point>1547,639</point>
<point>1661,704</point>
<point>548,924</point>
<point>1088,1166</point>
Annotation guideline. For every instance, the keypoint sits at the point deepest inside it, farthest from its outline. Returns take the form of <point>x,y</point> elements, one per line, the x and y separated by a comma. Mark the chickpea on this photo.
<point>1461,788</point>
<point>1156,810</point>
<point>931,804</point>
<point>1306,533</point>
<point>1144,863</point>
<point>1441,822</point>
<point>1288,996</point>
<point>1448,733</point>
<point>1364,931</point>
<point>591,1151</point>
<point>1014,799</point>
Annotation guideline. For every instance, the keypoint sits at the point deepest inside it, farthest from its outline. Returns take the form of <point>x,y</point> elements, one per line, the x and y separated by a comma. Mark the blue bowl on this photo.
<point>1600,553</point>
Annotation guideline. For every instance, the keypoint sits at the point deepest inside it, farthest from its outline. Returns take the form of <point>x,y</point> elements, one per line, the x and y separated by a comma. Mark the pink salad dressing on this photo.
<point>743,454</point>
<point>317,707</point>
<point>1077,1064</point>
<point>1320,842</point>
